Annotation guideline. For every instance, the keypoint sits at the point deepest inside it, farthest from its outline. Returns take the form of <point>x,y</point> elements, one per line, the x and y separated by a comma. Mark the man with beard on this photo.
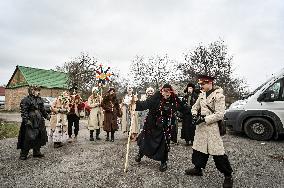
<point>111,112</point>
<point>188,129</point>
<point>32,133</point>
<point>154,140</point>
<point>207,140</point>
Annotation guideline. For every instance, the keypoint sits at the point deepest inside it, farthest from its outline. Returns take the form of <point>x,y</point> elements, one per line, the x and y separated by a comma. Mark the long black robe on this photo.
<point>188,129</point>
<point>32,131</point>
<point>154,140</point>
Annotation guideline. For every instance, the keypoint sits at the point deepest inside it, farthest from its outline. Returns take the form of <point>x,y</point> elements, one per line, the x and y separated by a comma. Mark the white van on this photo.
<point>261,114</point>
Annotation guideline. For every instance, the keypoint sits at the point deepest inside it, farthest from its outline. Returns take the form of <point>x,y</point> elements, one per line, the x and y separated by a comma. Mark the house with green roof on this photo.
<point>53,83</point>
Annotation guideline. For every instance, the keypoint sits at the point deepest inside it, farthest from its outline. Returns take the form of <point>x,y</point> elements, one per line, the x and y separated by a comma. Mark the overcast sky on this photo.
<point>46,33</point>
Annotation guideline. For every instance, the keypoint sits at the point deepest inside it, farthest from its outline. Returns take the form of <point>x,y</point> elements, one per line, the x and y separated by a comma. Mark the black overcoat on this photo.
<point>188,129</point>
<point>32,131</point>
<point>154,140</point>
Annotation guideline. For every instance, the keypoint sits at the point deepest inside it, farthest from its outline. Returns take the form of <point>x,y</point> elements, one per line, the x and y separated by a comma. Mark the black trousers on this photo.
<point>73,119</point>
<point>222,163</point>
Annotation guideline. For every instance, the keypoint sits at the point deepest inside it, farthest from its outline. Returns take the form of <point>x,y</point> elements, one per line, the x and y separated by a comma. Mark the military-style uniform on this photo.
<point>207,139</point>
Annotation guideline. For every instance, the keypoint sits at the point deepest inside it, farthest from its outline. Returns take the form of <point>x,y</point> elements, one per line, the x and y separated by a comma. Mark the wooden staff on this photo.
<point>133,107</point>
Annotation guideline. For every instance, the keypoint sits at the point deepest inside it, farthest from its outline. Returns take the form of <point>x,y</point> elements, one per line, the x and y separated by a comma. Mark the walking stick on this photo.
<point>133,105</point>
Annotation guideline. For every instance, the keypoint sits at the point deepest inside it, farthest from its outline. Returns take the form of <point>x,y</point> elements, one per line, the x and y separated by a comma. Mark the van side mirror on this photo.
<point>267,96</point>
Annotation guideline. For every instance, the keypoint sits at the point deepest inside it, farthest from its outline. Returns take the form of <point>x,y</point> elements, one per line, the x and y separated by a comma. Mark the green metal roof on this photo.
<point>43,78</point>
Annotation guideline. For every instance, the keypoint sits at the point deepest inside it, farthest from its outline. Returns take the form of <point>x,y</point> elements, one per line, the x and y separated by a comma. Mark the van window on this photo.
<point>277,89</point>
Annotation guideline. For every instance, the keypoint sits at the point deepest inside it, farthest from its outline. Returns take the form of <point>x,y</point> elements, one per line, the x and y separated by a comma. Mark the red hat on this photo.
<point>205,78</point>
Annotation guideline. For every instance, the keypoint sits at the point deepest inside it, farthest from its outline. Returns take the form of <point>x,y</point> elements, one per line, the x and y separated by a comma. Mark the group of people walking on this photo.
<point>154,127</point>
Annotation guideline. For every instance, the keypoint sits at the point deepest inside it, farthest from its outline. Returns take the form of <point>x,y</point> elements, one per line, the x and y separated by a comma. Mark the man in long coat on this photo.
<point>32,133</point>
<point>207,140</point>
<point>188,129</point>
<point>111,112</point>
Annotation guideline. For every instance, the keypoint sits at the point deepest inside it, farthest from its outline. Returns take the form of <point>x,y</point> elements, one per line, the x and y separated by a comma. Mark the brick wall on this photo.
<point>14,96</point>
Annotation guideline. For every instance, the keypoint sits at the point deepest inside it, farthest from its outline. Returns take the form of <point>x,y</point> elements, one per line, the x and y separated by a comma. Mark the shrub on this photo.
<point>8,129</point>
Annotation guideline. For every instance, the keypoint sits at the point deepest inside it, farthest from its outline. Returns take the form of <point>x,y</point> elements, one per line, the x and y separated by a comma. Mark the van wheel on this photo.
<point>258,129</point>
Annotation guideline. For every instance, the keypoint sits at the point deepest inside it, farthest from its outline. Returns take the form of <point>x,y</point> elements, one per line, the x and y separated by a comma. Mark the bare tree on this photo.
<point>213,60</point>
<point>153,71</point>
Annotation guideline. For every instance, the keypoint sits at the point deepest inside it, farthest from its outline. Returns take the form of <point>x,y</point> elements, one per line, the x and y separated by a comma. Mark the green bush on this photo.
<point>8,129</point>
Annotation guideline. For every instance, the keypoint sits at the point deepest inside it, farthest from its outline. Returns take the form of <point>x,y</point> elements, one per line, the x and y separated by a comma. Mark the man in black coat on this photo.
<point>188,129</point>
<point>32,133</point>
<point>154,140</point>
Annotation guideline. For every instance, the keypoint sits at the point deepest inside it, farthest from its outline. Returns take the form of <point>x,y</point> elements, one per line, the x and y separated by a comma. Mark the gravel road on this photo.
<point>100,164</point>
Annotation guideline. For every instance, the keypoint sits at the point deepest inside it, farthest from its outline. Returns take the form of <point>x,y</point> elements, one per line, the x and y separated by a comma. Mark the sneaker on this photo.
<point>70,139</point>
<point>112,140</point>
<point>92,139</point>
<point>98,138</point>
<point>194,172</point>
<point>107,138</point>
<point>163,167</point>
<point>228,182</point>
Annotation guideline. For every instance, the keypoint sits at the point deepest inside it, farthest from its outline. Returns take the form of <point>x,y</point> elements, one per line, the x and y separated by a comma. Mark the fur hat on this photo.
<point>190,84</point>
<point>150,89</point>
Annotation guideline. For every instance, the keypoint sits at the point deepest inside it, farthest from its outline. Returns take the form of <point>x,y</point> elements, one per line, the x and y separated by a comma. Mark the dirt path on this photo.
<point>101,163</point>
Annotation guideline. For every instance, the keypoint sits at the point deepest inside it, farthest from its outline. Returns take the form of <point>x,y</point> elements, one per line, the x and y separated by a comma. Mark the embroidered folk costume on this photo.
<point>95,121</point>
<point>76,105</point>
<point>58,122</point>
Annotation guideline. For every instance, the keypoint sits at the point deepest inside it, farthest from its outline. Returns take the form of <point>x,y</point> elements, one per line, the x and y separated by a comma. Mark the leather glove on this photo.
<point>194,117</point>
<point>200,119</point>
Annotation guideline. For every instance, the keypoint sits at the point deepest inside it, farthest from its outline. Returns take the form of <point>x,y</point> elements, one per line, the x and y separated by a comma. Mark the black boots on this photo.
<point>92,135</point>
<point>194,172</point>
<point>37,153</point>
<point>112,136</point>
<point>138,157</point>
<point>24,154</point>
<point>107,138</point>
<point>228,182</point>
<point>97,134</point>
<point>163,167</point>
